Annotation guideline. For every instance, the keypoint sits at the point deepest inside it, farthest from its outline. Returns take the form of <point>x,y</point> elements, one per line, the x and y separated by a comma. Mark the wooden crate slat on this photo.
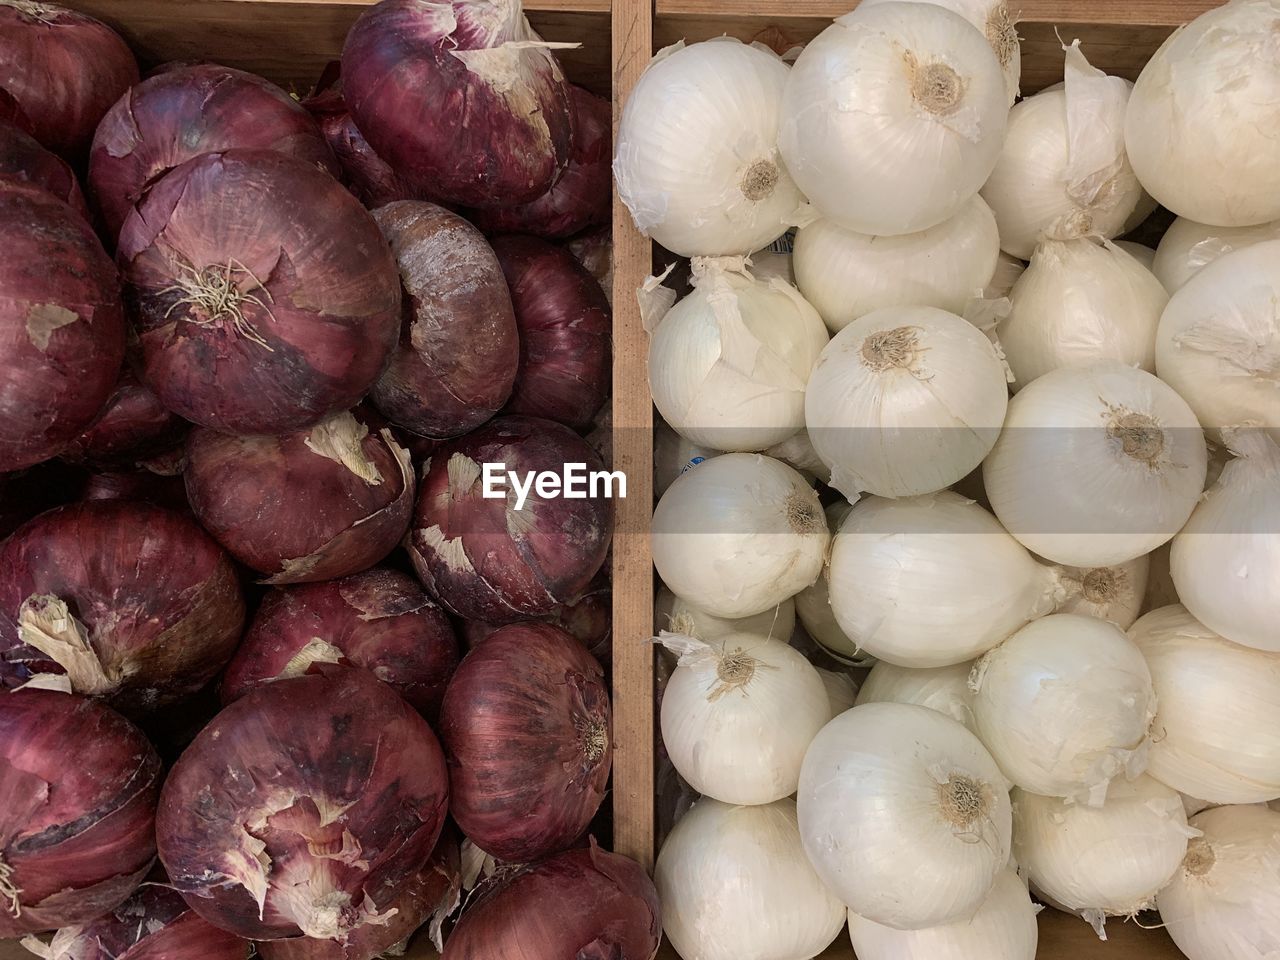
<point>1144,12</point>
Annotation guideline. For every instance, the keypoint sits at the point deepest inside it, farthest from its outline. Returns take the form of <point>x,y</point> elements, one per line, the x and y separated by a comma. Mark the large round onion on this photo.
<point>526,727</point>
<point>76,825</point>
<point>64,69</point>
<point>484,559</point>
<point>265,298</point>
<point>182,112</point>
<point>61,324</point>
<point>132,602</point>
<point>304,808</point>
<point>460,99</point>
<point>327,502</point>
<point>380,620</point>
<point>133,426</point>
<point>458,350</point>
<point>22,158</point>
<point>564,323</point>
<point>586,904</point>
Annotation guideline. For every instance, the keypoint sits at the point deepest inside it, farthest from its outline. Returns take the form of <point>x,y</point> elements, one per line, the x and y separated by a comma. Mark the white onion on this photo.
<point>734,884</point>
<point>842,692</point>
<point>1063,172</point>
<point>1065,705</point>
<point>892,118</point>
<point>1188,247</point>
<point>1224,902</point>
<point>1008,270</point>
<point>769,262</point>
<point>728,364</point>
<point>738,714</point>
<point>846,274</point>
<point>813,603</point>
<point>679,616</point>
<point>797,450</point>
<point>904,401</point>
<point>1216,734</point>
<point>945,689</point>
<point>1108,593</point>
<point>739,535</point>
<point>1078,304</point>
<point>904,815</point>
<point>1096,465</point>
<point>673,455</point>
<point>932,581</point>
<point>1143,254</point>
<point>1204,117</point>
<point>696,160</point>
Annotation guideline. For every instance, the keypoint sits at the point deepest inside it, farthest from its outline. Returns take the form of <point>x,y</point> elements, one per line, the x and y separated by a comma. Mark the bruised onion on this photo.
<point>132,426</point>
<point>78,784</point>
<point>458,351</point>
<point>22,158</point>
<point>462,99</point>
<point>61,324</point>
<point>380,620</point>
<point>564,323</point>
<point>264,297</point>
<point>187,110</point>
<point>483,558</point>
<point>323,503</point>
<point>304,809</point>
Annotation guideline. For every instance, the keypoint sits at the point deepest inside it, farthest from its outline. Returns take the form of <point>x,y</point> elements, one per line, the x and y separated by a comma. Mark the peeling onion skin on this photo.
<point>187,110</point>
<point>22,158</point>
<point>380,620</point>
<point>363,755</point>
<point>315,280</point>
<point>482,559</point>
<point>61,325</point>
<point>159,603</point>
<point>287,508</point>
<point>132,426</point>
<point>458,349</point>
<point>78,836</point>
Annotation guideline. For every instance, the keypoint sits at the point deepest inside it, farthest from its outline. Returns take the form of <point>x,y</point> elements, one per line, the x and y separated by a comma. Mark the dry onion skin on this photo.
<point>1108,593</point>
<point>679,616</point>
<point>1188,247</point>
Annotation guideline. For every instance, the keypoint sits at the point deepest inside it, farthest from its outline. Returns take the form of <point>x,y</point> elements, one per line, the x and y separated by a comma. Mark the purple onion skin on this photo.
<point>526,728</point>
<point>380,620</point>
<point>159,601</point>
<point>318,286</point>
<point>163,491</point>
<point>133,426</point>
<point>22,158</point>
<point>442,126</point>
<point>183,112</point>
<point>565,324</point>
<point>510,565</point>
<point>64,69</point>
<point>458,353</point>
<point>76,825</point>
<point>588,620</point>
<point>11,112</point>
<point>579,905</point>
<point>339,779</point>
<point>61,325</point>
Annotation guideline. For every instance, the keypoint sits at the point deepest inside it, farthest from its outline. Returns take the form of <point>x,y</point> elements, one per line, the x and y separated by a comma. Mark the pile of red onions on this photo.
<point>61,324</point>
<point>132,602</point>
<point>460,99</point>
<point>264,296</point>
<point>22,158</point>
<point>587,619</point>
<point>458,351</point>
<point>380,620</point>
<point>132,427</point>
<point>484,559</point>
<point>526,728</point>
<point>76,824</point>
<point>305,808</point>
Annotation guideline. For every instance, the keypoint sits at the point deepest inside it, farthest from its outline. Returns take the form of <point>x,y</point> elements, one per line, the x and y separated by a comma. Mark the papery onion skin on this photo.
<point>526,727</point>
<point>945,689</point>
<point>594,250</point>
<point>153,607</point>
<point>1108,593</point>
<point>679,616</point>
<point>22,158</point>
<point>78,835</point>
<point>458,350</point>
<point>253,813</point>
<point>316,284</point>
<point>133,426</point>
<point>1188,247</point>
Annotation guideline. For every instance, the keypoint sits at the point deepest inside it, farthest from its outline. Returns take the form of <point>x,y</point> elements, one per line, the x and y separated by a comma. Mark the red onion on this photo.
<point>183,112</point>
<point>305,808</point>
<point>132,602</point>
<point>78,787</point>
<point>11,112</point>
<point>460,99</point>
<point>132,426</point>
<point>458,351</point>
<point>61,325</point>
<point>64,69</point>
<point>327,502</point>
<point>526,728</point>
<point>265,298</point>
<point>485,560</point>
<point>564,323</point>
<point>594,250</point>
<point>588,620</point>
<point>22,158</point>
<point>580,905</point>
<point>581,198</point>
<point>163,491</point>
<point>380,620</point>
